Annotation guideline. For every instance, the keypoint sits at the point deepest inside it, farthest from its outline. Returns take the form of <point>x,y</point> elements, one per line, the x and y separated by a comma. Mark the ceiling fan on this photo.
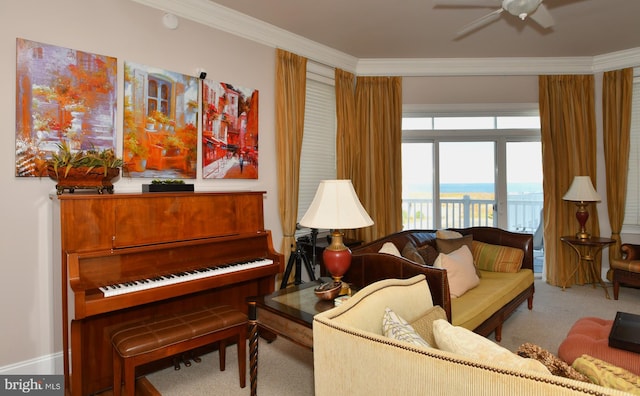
<point>533,9</point>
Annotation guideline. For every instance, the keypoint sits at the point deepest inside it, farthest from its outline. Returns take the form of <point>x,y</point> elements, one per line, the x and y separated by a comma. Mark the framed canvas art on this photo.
<point>62,96</point>
<point>229,131</point>
<point>160,123</point>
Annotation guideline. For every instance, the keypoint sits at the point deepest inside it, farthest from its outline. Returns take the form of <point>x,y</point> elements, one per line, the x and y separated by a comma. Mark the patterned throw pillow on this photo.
<point>393,326</point>
<point>411,253</point>
<point>607,375</point>
<point>554,364</point>
<point>449,245</point>
<point>496,258</point>
<point>424,324</point>
<point>428,253</point>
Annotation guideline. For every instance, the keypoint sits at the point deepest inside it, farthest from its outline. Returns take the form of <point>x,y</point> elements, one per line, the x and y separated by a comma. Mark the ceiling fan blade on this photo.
<point>542,17</point>
<point>467,3</point>
<point>480,22</point>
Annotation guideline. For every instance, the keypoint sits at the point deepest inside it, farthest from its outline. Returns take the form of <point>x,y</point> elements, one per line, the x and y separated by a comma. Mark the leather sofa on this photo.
<point>484,308</point>
<point>626,269</point>
<point>352,356</point>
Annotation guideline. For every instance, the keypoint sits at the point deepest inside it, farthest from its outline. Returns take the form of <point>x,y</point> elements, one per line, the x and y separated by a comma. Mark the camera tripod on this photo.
<point>299,257</point>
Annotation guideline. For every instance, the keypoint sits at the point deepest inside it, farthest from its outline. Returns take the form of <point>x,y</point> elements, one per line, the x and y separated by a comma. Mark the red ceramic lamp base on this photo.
<point>582,215</point>
<point>336,257</point>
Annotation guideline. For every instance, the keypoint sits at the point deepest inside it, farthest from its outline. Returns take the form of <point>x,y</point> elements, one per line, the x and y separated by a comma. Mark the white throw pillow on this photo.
<point>464,342</point>
<point>393,326</point>
<point>448,234</point>
<point>460,270</point>
<point>390,248</point>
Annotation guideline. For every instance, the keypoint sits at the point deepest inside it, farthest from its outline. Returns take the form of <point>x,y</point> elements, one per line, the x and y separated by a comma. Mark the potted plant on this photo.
<point>135,153</point>
<point>83,169</point>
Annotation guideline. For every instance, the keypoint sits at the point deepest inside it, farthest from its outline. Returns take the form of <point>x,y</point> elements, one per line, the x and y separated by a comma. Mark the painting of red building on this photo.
<point>229,131</point>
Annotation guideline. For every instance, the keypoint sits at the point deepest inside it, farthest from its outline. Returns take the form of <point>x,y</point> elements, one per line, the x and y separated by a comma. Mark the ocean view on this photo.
<point>517,188</point>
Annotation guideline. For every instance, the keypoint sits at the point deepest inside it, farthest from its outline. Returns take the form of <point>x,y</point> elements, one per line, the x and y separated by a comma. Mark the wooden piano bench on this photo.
<point>153,339</point>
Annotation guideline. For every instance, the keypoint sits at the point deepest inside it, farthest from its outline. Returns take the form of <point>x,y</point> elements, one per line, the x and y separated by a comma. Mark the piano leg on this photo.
<point>253,347</point>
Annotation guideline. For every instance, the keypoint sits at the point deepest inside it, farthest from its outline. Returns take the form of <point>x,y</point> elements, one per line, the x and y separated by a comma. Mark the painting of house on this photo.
<point>62,95</point>
<point>160,123</point>
<point>229,131</point>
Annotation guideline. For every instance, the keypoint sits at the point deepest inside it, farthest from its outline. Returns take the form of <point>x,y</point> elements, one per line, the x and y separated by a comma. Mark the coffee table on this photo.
<point>287,312</point>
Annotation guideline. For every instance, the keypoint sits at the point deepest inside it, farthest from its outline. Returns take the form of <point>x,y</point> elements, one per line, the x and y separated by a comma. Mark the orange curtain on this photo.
<point>346,123</point>
<point>617,89</point>
<point>374,149</point>
<point>291,85</point>
<point>567,118</point>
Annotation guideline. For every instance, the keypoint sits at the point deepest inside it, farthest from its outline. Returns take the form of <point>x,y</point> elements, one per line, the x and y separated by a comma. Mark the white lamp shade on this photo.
<point>582,190</point>
<point>336,206</point>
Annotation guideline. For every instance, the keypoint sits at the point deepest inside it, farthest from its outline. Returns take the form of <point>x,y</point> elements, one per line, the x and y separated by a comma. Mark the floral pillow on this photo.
<point>393,326</point>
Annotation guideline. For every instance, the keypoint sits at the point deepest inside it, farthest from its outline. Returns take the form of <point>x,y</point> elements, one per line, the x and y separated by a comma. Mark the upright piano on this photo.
<point>129,256</point>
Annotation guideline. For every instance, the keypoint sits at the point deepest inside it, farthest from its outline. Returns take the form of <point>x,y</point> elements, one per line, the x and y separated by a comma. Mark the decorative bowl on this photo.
<point>328,291</point>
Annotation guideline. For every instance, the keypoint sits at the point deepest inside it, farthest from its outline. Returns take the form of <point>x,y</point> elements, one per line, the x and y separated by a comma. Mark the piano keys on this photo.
<point>124,239</point>
<point>180,277</point>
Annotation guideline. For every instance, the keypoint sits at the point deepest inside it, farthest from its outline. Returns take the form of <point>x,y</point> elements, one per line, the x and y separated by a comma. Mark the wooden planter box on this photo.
<point>83,178</point>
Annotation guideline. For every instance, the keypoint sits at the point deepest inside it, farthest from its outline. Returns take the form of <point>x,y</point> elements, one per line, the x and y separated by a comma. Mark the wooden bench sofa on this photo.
<point>482,309</point>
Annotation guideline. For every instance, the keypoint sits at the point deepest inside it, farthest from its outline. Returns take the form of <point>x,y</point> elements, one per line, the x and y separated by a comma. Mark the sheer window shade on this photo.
<point>318,157</point>
<point>632,207</point>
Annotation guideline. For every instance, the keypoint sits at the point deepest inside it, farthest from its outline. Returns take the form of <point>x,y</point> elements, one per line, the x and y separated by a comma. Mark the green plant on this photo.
<point>167,181</point>
<point>132,145</point>
<point>66,159</point>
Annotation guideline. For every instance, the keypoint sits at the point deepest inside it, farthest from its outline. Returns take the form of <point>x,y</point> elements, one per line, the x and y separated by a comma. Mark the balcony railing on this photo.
<point>523,215</point>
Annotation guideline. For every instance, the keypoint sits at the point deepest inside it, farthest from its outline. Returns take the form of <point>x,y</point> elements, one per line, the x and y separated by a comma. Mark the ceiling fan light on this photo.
<point>521,8</point>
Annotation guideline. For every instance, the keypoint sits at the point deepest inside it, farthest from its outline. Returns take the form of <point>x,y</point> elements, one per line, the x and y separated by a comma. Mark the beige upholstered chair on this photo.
<point>626,270</point>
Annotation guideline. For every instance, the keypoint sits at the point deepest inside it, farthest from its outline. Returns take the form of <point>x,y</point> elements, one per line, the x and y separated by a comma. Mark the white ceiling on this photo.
<point>415,29</point>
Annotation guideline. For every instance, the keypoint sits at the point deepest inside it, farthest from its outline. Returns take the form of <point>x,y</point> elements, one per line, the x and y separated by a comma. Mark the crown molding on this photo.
<point>617,60</point>
<point>230,21</point>
<point>475,66</point>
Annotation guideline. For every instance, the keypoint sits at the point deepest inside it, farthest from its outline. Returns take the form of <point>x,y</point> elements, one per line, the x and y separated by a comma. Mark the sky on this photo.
<point>471,162</point>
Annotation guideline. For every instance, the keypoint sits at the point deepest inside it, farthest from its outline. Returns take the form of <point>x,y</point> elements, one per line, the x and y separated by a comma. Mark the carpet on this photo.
<point>286,369</point>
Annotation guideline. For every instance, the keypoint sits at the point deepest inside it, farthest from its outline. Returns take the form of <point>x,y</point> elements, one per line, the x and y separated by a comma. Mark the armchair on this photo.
<point>626,270</point>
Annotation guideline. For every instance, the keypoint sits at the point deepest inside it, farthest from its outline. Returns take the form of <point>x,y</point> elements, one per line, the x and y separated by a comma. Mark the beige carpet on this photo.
<point>286,369</point>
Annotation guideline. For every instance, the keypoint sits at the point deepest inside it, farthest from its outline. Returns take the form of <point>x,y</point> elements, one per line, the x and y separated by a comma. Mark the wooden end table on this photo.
<point>287,312</point>
<point>587,251</point>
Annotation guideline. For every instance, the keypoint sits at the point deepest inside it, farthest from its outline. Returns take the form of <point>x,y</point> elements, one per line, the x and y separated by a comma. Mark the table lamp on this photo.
<point>582,192</point>
<point>336,207</point>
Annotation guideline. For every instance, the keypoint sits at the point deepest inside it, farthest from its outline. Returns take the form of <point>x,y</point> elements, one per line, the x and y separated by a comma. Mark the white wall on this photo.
<point>31,325</point>
<point>464,90</point>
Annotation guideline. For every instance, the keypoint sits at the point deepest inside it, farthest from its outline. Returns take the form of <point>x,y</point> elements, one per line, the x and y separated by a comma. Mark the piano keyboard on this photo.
<point>165,280</point>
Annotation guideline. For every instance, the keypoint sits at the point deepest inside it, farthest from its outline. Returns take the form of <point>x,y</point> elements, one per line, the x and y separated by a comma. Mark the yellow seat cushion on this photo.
<point>494,291</point>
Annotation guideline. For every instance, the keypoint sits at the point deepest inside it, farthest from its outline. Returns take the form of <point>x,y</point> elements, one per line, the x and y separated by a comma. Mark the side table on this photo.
<point>587,251</point>
<point>287,312</point>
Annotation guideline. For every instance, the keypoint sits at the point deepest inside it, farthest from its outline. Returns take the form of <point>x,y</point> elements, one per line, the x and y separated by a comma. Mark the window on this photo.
<point>632,207</point>
<point>461,171</point>
<point>158,93</point>
<point>318,157</point>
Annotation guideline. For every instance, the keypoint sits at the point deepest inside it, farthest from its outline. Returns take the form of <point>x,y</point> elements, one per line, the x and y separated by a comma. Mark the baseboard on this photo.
<point>44,365</point>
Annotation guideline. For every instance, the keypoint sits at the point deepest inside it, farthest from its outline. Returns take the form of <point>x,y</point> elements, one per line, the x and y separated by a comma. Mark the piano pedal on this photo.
<point>195,359</point>
<point>186,361</point>
<point>176,364</point>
